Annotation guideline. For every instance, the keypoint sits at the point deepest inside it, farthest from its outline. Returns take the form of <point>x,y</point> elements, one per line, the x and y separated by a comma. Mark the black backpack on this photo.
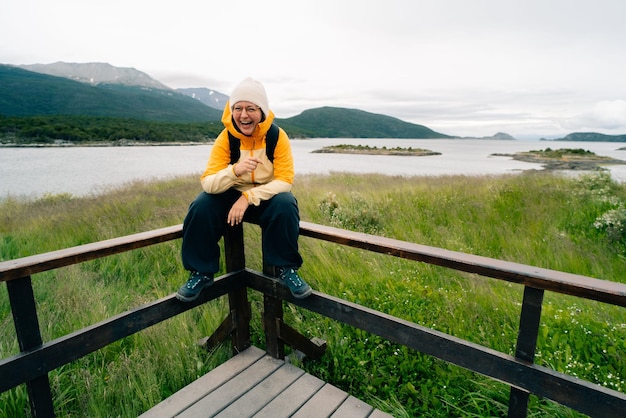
<point>271,139</point>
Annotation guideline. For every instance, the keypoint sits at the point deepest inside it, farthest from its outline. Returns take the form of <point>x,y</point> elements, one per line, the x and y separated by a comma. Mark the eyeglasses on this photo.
<point>249,109</point>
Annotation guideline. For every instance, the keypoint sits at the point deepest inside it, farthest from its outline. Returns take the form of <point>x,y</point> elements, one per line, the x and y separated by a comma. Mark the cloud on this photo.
<point>467,68</point>
<point>607,116</point>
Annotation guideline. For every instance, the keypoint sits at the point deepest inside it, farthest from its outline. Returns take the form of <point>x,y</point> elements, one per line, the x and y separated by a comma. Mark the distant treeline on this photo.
<point>84,129</point>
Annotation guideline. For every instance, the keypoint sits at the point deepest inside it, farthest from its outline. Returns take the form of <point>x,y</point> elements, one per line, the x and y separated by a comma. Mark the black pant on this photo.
<point>205,223</point>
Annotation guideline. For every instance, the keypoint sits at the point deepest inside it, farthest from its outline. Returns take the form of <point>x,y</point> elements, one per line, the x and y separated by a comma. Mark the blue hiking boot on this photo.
<point>298,287</point>
<point>191,290</point>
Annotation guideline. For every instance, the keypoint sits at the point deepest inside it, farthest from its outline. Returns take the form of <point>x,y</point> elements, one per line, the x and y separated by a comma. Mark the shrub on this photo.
<point>358,214</point>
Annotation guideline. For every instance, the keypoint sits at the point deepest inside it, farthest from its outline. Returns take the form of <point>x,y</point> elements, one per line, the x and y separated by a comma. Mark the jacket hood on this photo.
<point>259,132</point>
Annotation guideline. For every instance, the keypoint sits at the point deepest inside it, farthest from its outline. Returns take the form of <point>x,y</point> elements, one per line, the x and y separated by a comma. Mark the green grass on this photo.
<point>538,219</point>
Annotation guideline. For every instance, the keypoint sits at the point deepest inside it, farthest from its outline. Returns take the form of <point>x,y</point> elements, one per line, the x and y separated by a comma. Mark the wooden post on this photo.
<point>26,323</point>
<point>526,345</point>
<point>272,318</point>
<point>238,298</point>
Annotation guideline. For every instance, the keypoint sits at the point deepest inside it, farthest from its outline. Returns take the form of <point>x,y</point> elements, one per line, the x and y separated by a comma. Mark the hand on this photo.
<point>235,215</point>
<point>246,166</point>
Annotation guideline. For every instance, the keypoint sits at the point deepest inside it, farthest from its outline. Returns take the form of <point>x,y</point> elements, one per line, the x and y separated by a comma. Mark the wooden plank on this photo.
<point>259,396</point>
<point>272,314</point>
<point>239,305</point>
<point>557,281</point>
<point>377,413</point>
<point>220,334</point>
<point>289,401</point>
<point>323,403</point>
<point>254,384</point>
<point>206,384</point>
<point>234,254</point>
<point>540,278</point>
<point>26,322</point>
<point>530,319</point>
<point>353,408</point>
<point>222,397</point>
<point>26,266</point>
<point>299,342</point>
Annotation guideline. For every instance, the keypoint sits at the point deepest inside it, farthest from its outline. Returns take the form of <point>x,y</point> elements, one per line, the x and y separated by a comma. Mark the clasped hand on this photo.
<point>235,215</point>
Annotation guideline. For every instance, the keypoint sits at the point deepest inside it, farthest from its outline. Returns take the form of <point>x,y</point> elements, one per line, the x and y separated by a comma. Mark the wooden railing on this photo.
<point>37,358</point>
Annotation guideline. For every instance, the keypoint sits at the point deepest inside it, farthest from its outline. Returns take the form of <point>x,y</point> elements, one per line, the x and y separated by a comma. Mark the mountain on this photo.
<point>27,93</point>
<point>209,97</point>
<point>97,73</point>
<point>103,73</point>
<point>592,137</point>
<point>100,89</point>
<point>500,136</point>
<point>335,122</point>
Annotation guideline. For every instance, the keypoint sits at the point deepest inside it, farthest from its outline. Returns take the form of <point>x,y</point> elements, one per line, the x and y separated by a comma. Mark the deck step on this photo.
<point>254,384</point>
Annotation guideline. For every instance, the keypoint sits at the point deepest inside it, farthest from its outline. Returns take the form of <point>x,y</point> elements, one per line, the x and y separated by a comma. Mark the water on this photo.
<point>33,172</point>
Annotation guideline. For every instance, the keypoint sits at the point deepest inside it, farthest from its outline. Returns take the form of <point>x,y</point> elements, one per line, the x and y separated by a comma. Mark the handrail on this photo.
<point>48,356</point>
<point>26,266</point>
<point>514,371</point>
<point>37,358</point>
<point>540,278</point>
<point>561,282</point>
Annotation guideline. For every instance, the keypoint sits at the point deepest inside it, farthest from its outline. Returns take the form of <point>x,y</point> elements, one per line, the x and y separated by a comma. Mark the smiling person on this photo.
<point>248,177</point>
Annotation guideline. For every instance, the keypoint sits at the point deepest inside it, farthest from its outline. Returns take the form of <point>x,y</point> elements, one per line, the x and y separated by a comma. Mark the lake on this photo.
<point>33,172</point>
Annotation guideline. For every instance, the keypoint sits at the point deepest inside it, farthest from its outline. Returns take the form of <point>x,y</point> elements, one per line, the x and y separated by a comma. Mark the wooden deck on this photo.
<point>254,384</point>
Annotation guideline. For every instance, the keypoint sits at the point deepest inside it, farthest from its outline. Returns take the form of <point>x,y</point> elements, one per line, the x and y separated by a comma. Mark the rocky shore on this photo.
<point>564,159</point>
<point>367,150</point>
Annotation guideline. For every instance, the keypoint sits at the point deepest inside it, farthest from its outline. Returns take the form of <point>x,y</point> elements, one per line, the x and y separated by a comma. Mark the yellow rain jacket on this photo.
<point>267,180</point>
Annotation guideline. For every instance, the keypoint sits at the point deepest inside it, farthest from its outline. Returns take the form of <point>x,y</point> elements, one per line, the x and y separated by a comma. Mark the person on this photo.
<point>252,188</point>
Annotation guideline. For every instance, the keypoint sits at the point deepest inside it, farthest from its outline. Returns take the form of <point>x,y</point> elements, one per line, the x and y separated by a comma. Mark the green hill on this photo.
<point>593,137</point>
<point>26,93</point>
<point>334,122</point>
<point>60,108</point>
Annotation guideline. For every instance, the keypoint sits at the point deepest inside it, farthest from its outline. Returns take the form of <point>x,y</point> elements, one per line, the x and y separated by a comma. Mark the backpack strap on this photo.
<point>271,139</point>
<point>235,152</point>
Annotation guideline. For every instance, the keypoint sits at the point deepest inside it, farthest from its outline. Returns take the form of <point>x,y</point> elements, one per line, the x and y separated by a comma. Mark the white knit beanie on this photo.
<point>250,90</point>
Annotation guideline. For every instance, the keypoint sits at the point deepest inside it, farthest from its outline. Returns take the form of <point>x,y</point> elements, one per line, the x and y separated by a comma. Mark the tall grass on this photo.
<point>539,219</point>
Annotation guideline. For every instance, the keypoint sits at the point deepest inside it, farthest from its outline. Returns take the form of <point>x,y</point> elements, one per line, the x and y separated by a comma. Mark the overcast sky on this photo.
<point>530,68</point>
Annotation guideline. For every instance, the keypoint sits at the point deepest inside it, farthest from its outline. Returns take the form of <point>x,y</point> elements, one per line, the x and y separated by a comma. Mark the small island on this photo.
<point>366,149</point>
<point>564,159</point>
